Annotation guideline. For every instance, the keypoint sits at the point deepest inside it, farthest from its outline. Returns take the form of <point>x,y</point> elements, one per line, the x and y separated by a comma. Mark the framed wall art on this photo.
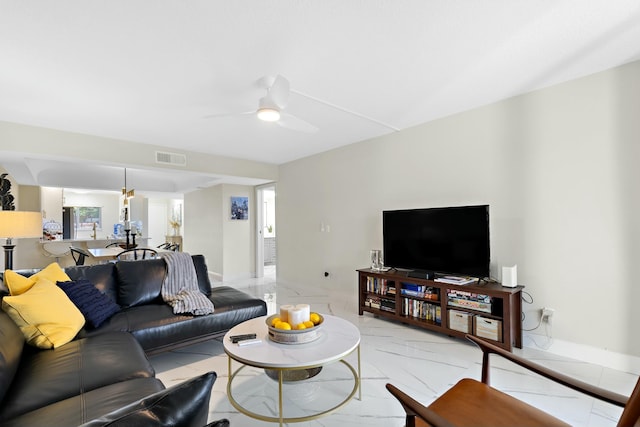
<point>239,207</point>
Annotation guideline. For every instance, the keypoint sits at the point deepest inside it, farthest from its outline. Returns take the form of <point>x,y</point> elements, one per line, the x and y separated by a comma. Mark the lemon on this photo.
<point>301,326</point>
<point>283,325</point>
<point>275,321</point>
<point>315,318</point>
<point>309,324</point>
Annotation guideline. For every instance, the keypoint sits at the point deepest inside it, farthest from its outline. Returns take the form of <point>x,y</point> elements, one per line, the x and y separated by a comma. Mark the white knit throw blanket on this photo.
<point>180,287</point>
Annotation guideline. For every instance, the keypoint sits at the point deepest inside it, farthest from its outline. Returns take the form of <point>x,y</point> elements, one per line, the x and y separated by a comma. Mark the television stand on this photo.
<point>487,310</point>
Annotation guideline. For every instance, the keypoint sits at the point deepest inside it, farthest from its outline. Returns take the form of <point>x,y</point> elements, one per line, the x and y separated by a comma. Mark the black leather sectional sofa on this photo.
<point>105,369</point>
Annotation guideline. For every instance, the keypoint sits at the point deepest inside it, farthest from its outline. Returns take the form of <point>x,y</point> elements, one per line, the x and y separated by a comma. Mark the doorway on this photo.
<point>266,248</point>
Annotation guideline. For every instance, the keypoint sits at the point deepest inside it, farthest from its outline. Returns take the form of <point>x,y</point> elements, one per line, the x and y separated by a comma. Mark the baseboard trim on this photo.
<point>610,359</point>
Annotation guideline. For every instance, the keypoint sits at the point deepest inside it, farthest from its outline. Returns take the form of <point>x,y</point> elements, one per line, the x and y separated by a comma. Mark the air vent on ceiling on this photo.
<point>171,158</point>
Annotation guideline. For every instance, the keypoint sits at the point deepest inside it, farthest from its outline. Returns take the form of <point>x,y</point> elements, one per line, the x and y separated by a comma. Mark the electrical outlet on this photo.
<point>547,314</point>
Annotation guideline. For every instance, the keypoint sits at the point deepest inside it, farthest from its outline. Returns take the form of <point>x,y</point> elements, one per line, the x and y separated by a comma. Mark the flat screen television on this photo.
<point>448,240</point>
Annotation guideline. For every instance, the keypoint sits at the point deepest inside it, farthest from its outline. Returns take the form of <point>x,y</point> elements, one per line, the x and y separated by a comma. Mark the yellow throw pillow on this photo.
<point>19,284</point>
<point>45,315</point>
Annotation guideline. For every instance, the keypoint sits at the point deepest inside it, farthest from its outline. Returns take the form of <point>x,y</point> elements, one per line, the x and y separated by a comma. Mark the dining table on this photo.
<point>102,254</point>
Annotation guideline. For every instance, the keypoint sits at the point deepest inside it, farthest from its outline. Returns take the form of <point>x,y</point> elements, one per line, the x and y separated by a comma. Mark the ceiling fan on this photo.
<point>271,107</point>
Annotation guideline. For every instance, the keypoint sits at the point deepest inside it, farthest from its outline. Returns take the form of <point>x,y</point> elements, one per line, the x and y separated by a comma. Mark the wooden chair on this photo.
<point>79,255</point>
<point>475,403</point>
<point>136,254</point>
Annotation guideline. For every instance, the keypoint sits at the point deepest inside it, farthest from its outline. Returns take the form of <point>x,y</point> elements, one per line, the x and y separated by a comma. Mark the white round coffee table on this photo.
<point>337,339</point>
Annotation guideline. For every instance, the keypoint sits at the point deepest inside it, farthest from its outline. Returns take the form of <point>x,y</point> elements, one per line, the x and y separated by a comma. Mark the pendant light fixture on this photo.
<point>126,194</point>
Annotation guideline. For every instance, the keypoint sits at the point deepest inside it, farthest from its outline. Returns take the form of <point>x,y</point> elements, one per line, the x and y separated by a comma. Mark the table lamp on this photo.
<point>16,225</point>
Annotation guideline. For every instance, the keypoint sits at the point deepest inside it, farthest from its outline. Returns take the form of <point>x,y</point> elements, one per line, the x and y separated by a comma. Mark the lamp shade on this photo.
<point>17,224</point>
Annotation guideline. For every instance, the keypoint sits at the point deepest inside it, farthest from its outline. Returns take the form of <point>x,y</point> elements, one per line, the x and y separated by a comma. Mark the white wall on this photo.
<point>158,221</point>
<point>557,168</point>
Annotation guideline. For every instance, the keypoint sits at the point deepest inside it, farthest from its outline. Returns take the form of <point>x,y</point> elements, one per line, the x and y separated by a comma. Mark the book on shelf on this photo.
<point>380,286</point>
<point>380,303</point>
<point>422,310</point>
<point>420,291</point>
<point>456,280</point>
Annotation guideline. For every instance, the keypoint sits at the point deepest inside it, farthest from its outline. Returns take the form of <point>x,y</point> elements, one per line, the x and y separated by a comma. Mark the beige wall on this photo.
<point>557,167</point>
<point>239,235</point>
<point>228,245</point>
<point>203,226</point>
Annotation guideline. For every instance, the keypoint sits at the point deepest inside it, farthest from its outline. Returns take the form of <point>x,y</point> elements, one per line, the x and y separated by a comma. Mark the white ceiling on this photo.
<point>150,71</point>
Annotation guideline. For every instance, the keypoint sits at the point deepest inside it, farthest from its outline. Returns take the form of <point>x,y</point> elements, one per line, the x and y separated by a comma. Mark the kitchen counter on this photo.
<point>58,248</point>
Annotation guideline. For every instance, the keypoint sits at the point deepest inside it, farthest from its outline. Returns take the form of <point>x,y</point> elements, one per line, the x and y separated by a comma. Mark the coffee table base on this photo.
<point>281,377</point>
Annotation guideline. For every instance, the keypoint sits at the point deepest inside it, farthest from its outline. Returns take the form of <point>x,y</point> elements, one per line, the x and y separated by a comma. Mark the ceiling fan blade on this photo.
<point>220,115</point>
<point>279,91</point>
<point>292,122</point>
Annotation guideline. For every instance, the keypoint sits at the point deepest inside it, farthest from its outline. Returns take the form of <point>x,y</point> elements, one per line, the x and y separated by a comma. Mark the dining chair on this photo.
<point>137,254</point>
<point>79,255</point>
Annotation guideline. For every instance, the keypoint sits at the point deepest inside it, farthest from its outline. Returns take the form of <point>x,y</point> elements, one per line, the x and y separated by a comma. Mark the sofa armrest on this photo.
<point>183,405</point>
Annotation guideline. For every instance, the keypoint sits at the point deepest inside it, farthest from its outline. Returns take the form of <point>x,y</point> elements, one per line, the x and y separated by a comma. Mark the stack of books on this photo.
<point>479,302</point>
<point>457,280</point>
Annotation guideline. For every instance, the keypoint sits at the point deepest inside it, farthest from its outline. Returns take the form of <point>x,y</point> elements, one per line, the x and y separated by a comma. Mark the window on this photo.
<point>87,216</point>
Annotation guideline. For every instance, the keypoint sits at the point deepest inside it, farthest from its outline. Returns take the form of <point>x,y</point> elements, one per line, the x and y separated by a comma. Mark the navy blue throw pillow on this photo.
<point>95,306</point>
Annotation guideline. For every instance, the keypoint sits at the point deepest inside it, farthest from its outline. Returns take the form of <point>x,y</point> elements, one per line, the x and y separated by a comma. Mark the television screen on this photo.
<point>451,240</point>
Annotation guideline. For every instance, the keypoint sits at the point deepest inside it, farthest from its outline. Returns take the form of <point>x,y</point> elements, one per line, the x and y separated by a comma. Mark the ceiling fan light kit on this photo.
<point>267,110</point>
<point>268,114</point>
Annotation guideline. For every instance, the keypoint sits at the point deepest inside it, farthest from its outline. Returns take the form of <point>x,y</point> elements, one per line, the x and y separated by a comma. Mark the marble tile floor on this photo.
<point>422,363</point>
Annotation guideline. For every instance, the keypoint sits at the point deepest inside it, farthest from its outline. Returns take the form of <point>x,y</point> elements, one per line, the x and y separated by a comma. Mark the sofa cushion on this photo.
<point>95,306</point>
<point>157,329</point>
<point>80,409</point>
<point>203,274</point>
<point>47,376</point>
<point>44,314</point>
<point>103,277</point>
<point>134,291</point>
<point>11,346</point>
<point>140,282</point>
<point>183,405</point>
<point>19,284</point>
